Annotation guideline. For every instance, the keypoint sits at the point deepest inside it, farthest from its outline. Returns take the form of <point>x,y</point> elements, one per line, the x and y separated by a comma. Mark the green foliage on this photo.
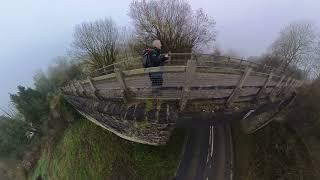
<point>89,152</point>
<point>12,136</point>
<point>61,72</point>
<point>61,112</point>
<point>96,43</point>
<point>306,109</point>
<point>274,152</point>
<point>275,62</point>
<point>42,83</point>
<point>42,109</point>
<point>32,104</point>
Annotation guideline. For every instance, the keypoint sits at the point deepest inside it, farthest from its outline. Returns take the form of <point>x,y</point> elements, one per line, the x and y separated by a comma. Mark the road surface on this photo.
<point>208,150</point>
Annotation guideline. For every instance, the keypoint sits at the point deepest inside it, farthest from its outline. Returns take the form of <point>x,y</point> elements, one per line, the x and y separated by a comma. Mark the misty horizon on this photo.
<point>34,33</point>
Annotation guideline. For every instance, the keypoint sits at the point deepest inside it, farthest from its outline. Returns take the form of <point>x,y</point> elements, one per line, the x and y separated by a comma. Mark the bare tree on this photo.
<point>173,22</point>
<point>295,44</point>
<point>315,63</point>
<point>96,42</point>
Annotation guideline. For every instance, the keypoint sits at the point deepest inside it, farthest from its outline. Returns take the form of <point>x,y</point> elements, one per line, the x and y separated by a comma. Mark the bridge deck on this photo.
<point>186,78</point>
<point>221,78</point>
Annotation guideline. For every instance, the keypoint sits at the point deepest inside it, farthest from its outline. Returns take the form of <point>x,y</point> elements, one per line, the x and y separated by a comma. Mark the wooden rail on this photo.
<point>216,78</point>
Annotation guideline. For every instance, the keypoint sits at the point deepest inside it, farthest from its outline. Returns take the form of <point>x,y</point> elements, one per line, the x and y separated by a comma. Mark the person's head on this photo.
<point>157,44</point>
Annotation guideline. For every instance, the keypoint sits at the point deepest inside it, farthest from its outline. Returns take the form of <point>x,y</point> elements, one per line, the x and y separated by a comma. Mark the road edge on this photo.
<point>181,154</point>
<point>231,151</point>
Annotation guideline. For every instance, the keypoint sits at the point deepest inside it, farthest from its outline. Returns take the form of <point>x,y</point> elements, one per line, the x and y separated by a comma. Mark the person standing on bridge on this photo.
<point>152,57</point>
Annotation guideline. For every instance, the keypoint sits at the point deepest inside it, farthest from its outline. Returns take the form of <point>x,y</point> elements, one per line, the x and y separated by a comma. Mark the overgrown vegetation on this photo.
<point>275,152</point>
<point>174,23</point>
<point>287,150</point>
<point>89,152</point>
<point>41,115</point>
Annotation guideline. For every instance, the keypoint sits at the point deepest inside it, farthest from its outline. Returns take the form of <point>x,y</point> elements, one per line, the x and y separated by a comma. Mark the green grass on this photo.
<point>89,152</point>
<point>243,152</point>
<point>274,152</point>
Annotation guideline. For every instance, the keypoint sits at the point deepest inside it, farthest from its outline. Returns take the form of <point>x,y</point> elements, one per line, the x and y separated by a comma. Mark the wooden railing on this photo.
<point>186,77</point>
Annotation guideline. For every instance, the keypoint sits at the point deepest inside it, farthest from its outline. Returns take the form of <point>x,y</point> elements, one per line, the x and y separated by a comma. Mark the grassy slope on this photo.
<point>274,152</point>
<point>90,152</point>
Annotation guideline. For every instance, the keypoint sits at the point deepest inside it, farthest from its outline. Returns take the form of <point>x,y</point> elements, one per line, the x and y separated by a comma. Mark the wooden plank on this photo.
<point>74,89</point>
<point>103,77</point>
<point>290,87</point>
<point>249,91</point>
<point>189,78</point>
<point>215,79</point>
<point>93,88</point>
<point>172,79</point>
<point>146,93</point>
<point>155,69</point>
<point>107,84</point>
<point>263,89</point>
<point>122,83</point>
<point>83,92</point>
<point>220,70</point>
<point>235,94</point>
<point>111,93</point>
<point>284,86</point>
<point>138,81</point>
<point>210,94</point>
<point>256,81</point>
<point>275,90</point>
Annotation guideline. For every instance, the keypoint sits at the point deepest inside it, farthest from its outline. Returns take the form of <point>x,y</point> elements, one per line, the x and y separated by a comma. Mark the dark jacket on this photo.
<point>156,59</point>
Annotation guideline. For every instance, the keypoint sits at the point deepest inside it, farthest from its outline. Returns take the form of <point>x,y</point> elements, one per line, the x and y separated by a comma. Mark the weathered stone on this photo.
<point>117,111</point>
<point>130,113</point>
<point>151,115</point>
<point>139,112</point>
<point>163,114</point>
<point>111,108</point>
<point>114,116</point>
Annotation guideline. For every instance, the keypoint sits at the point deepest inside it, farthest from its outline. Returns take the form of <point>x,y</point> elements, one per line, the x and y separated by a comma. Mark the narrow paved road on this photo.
<point>208,149</point>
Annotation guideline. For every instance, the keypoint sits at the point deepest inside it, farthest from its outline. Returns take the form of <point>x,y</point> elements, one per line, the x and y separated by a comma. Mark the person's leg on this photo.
<point>153,80</point>
<point>160,80</point>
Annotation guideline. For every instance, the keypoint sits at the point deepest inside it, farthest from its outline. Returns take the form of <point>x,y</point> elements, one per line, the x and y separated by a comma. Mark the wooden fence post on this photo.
<point>122,83</point>
<point>276,88</point>
<point>190,73</point>
<point>74,89</point>
<point>284,86</point>
<point>290,86</point>
<point>236,92</point>
<point>93,88</point>
<point>240,63</point>
<point>263,89</point>
<point>83,92</point>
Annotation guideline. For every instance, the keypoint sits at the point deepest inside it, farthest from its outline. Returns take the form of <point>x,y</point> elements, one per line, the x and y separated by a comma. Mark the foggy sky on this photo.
<point>33,32</point>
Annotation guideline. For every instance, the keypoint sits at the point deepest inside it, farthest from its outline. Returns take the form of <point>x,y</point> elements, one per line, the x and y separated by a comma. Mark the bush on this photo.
<point>89,152</point>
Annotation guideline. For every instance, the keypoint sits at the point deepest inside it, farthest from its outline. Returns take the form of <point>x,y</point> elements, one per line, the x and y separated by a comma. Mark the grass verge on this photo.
<point>87,151</point>
<point>274,152</point>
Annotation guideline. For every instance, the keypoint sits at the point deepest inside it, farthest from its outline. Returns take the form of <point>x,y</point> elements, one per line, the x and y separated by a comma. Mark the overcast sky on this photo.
<point>33,32</point>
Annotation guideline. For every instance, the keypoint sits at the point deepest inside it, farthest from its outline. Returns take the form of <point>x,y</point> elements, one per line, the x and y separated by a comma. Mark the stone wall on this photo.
<point>144,122</point>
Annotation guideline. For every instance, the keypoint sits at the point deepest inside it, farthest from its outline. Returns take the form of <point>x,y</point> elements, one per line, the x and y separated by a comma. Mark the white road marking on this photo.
<point>211,153</point>
<point>248,113</point>
<point>208,156</point>
<point>210,136</point>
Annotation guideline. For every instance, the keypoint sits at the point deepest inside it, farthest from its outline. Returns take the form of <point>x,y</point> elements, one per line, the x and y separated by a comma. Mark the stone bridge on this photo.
<point>120,98</point>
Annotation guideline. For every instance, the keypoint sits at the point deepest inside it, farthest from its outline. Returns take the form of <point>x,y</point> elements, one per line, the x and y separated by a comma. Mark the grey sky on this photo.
<point>33,32</point>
